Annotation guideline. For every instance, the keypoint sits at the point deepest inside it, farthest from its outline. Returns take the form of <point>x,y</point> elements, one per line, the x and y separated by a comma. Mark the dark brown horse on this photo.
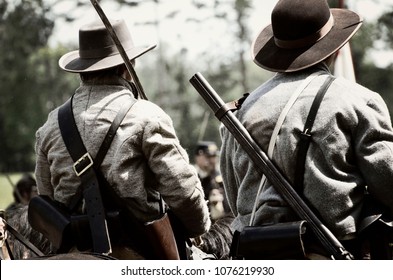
<point>215,242</point>
<point>17,218</point>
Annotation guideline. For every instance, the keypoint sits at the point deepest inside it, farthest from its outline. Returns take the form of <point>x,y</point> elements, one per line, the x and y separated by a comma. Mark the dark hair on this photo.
<point>105,73</point>
<point>24,185</point>
<point>101,74</point>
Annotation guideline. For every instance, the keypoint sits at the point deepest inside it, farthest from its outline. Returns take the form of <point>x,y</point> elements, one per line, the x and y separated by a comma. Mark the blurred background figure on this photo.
<point>206,164</point>
<point>24,190</point>
<point>16,216</point>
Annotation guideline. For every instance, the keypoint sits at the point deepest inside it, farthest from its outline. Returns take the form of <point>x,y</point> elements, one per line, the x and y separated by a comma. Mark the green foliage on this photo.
<point>30,81</point>
<point>16,80</point>
<point>367,73</point>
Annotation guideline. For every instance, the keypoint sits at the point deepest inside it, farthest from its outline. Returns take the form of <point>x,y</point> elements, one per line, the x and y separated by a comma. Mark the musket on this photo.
<point>224,114</point>
<point>120,48</point>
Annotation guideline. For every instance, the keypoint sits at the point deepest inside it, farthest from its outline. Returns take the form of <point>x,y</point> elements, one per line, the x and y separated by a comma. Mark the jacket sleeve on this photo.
<point>42,171</point>
<point>231,182</point>
<point>178,182</point>
<point>374,149</point>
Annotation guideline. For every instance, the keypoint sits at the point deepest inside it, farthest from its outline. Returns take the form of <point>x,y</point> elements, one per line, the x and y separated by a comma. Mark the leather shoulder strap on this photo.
<point>85,168</point>
<point>305,136</point>
<point>106,143</point>
<point>69,131</point>
<point>73,140</point>
<point>276,130</point>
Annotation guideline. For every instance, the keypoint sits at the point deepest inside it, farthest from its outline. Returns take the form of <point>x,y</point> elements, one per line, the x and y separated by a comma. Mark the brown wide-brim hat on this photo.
<point>302,34</point>
<point>97,50</point>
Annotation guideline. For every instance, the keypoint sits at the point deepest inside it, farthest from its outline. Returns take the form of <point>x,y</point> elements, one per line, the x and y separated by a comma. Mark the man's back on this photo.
<point>141,162</point>
<point>351,122</point>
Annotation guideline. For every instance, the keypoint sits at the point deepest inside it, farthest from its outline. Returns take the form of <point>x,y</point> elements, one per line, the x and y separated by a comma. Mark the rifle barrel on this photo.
<point>266,166</point>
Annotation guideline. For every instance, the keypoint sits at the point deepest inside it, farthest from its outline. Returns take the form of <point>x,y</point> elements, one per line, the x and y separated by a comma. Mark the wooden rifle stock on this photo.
<point>266,166</point>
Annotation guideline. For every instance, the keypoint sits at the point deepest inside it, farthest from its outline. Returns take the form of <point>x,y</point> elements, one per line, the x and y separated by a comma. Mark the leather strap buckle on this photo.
<point>306,135</point>
<point>82,164</point>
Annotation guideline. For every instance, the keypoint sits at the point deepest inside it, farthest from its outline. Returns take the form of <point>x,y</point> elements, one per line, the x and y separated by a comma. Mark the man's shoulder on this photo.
<point>354,91</point>
<point>50,124</point>
<point>352,86</point>
<point>145,109</point>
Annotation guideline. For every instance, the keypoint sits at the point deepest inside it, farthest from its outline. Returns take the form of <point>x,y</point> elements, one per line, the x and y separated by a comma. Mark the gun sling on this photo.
<point>305,136</point>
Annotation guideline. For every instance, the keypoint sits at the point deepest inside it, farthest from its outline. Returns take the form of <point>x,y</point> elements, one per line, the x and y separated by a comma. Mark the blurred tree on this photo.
<point>367,39</point>
<point>380,37</point>
<point>385,27</point>
<point>31,82</point>
<point>24,28</point>
<point>52,85</point>
<point>243,38</point>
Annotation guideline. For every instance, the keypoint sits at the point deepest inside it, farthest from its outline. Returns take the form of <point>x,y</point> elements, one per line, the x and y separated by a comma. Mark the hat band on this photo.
<point>306,41</point>
<point>104,52</point>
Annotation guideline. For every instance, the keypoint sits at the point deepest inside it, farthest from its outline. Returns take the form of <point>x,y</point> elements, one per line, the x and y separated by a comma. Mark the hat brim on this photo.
<point>71,62</point>
<point>267,55</point>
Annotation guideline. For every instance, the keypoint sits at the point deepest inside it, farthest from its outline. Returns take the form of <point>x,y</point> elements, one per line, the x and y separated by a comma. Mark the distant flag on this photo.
<point>343,66</point>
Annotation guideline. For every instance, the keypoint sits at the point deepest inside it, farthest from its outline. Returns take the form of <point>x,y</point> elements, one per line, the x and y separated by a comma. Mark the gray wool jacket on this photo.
<point>351,150</point>
<point>145,158</point>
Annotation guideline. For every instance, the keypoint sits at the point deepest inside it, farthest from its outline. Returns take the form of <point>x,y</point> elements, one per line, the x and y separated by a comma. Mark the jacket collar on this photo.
<point>320,67</point>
